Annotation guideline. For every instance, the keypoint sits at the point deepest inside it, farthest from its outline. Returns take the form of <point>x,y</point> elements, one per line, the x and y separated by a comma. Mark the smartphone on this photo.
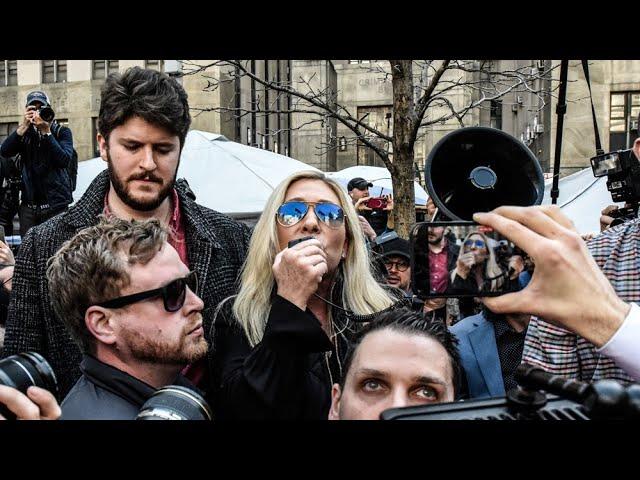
<point>2,235</point>
<point>462,259</point>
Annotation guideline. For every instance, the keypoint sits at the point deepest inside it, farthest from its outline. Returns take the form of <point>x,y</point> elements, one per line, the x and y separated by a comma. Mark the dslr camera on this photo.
<point>622,170</point>
<point>47,114</point>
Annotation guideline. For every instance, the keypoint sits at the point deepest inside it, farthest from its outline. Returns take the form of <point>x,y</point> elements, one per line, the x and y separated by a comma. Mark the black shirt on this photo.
<point>104,392</point>
<point>510,345</point>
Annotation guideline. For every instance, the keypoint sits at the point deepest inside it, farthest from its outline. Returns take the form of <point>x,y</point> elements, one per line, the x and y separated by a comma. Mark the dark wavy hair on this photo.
<point>151,95</point>
<point>411,323</point>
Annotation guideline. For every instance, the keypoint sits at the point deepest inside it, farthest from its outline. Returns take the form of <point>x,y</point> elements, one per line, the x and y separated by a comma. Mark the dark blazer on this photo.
<point>216,247</point>
<point>479,356</point>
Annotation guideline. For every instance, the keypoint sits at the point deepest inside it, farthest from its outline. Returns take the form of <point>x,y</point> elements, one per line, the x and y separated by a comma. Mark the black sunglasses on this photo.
<point>290,213</point>
<point>173,294</point>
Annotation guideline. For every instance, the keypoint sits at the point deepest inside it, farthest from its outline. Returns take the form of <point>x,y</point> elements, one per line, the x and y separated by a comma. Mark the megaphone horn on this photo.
<point>477,169</point>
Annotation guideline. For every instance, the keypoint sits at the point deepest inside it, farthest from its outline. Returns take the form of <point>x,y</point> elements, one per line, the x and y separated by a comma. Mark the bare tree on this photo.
<point>422,97</point>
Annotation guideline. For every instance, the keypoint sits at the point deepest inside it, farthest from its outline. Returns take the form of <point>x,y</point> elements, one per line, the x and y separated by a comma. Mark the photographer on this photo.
<point>38,404</point>
<point>279,345</point>
<point>11,181</point>
<point>132,305</point>
<point>374,210</point>
<point>46,150</point>
<point>584,330</point>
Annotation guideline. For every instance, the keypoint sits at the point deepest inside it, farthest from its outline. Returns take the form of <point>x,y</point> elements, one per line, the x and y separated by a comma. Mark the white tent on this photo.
<point>381,179</point>
<point>582,198</point>
<point>226,176</point>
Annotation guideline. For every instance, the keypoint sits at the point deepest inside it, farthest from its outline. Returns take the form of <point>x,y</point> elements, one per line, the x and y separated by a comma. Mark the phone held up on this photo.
<point>462,259</point>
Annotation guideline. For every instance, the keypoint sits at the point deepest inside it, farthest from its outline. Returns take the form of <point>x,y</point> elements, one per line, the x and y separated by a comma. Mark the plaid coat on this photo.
<point>557,350</point>
<point>216,247</point>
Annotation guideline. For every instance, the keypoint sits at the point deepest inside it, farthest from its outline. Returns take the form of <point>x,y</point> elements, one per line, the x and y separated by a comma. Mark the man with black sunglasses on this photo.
<point>132,306</point>
<point>143,123</point>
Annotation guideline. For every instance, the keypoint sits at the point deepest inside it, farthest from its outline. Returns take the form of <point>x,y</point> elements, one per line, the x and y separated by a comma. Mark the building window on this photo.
<point>623,119</point>
<point>94,131</point>
<point>7,129</point>
<point>102,68</point>
<point>380,118</point>
<point>154,65</point>
<point>8,73</point>
<point>495,117</point>
<point>54,71</point>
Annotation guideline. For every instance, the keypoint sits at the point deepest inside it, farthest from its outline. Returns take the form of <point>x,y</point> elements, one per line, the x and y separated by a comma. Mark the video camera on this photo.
<point>622,170</point>
<point>539,396</point>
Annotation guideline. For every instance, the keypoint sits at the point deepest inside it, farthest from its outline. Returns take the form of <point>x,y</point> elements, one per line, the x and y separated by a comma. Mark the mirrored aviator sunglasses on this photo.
<point>290,213</point>
<point>173,294</point>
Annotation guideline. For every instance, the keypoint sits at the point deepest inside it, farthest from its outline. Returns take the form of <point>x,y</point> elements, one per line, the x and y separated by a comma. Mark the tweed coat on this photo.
<point>216,249</point>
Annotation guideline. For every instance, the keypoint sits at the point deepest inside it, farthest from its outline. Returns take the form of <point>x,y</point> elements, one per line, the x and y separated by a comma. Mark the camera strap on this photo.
<point>585,67</point>
<point>561,109</point>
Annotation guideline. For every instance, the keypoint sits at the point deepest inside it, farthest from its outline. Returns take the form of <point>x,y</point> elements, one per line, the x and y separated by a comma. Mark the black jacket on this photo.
<point>104,392</point>
<point>44,166</point>
<point>216,247</point>
<point>288,375</point>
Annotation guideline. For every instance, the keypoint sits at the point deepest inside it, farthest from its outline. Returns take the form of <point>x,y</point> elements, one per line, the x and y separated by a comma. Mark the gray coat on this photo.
<point>216,247</point>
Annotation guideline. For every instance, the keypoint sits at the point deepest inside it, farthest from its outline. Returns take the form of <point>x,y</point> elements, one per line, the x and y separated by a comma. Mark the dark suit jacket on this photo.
<point>479,356</point>
<point>216,248</point>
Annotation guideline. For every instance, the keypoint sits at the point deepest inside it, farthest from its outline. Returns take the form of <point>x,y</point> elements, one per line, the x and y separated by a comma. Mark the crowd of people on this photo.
<point>311,314</point>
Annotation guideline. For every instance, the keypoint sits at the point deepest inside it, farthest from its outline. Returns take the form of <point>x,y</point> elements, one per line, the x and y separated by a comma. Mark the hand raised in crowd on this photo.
<point>431,304</point>
<point>299,270</point>
<point>367,229</point>
<point>567,287</point>
<point>464,264</point>
<point>361,204</point>
<point>7,262</point>
<point>27,120</point>
<point>605,219</point>
<point>40,124</point>
<point>37,404</point>
<point>390,203</point>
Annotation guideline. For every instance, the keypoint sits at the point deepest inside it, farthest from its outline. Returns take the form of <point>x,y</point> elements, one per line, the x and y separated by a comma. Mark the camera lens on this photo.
<point>175,403</point>
<point>25,370</point>
<point>47,114</point>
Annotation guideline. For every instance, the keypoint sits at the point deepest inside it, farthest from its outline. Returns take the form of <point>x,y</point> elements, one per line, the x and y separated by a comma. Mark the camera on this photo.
<point>26,370</point>
<point>174,402</point>
<point>47,114</point>
<point>623,171</point>
<point>377,203</point>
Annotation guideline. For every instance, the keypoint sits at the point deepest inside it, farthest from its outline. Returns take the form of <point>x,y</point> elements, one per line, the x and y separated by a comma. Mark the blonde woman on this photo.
<point>278,345</point>
<point>476,268</point>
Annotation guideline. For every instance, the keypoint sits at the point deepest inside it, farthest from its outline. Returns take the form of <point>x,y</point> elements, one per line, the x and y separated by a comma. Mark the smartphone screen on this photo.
<point>462,259</point>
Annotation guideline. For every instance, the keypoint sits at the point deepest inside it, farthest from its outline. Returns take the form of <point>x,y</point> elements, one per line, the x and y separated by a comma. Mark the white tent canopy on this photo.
<point>226,176</point>
<point>582,198</point>
<point>381,179</point>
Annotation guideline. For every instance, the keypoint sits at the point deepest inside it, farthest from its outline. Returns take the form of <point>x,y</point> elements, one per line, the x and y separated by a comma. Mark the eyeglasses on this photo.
<point>475,243</point>
<point>290,213</point>
<point>173,294</point>
<point>400,266</point>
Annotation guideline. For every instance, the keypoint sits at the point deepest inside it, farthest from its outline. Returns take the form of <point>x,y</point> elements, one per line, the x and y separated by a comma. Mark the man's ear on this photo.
<point>334,411</point>
<point>99,322</point>
<point>636,148</point>
<point>104,148</point>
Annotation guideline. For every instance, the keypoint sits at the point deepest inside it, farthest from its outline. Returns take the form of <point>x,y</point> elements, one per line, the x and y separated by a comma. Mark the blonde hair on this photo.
<point>492,270</point>
<point>360,294</point>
